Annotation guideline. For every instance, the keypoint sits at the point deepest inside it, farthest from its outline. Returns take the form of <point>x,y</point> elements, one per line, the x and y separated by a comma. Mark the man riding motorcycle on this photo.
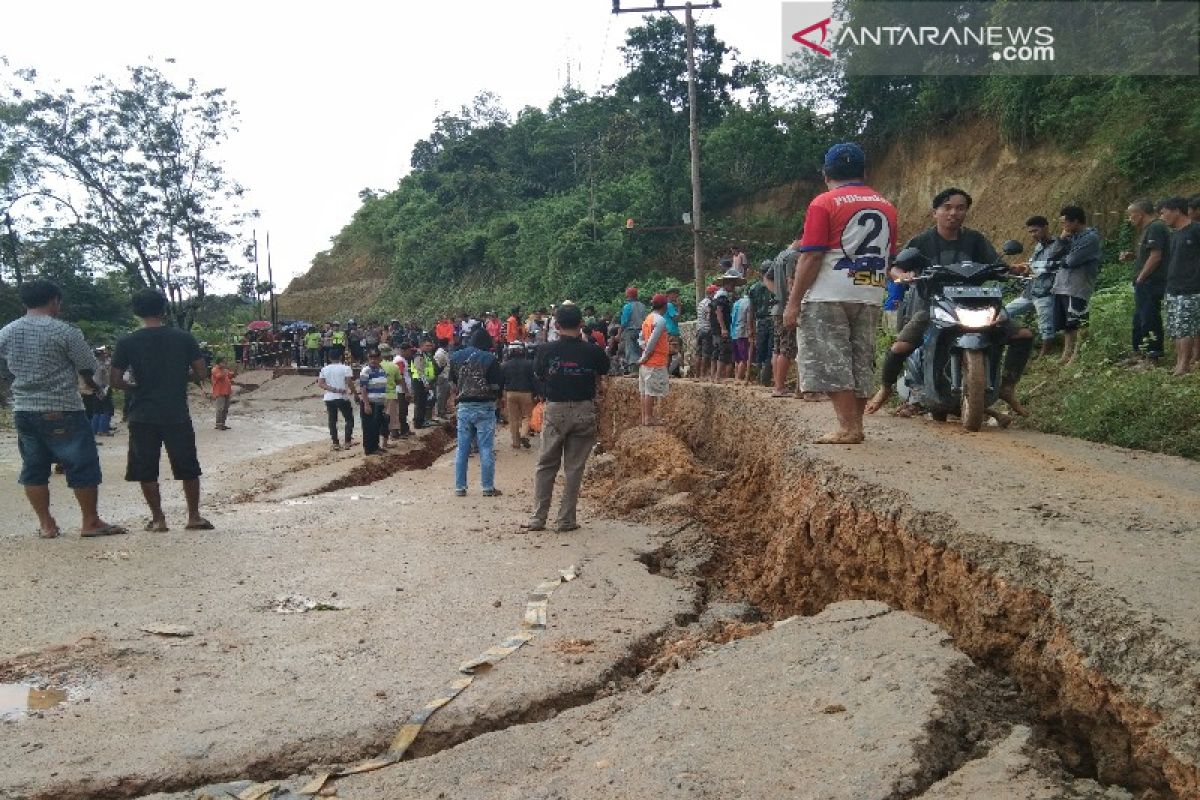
<point>949,242</point>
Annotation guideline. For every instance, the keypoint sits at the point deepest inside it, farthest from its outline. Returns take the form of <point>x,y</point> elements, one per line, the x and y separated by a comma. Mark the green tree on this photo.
<point>132,168</point>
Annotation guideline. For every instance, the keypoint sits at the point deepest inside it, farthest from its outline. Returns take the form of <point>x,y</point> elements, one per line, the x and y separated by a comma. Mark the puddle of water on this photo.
<point>17,699</point>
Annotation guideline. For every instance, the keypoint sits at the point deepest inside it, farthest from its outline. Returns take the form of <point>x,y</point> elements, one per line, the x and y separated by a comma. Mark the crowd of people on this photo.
<point>818,305</point>
<point>820,302</point>
<point>483,373</point>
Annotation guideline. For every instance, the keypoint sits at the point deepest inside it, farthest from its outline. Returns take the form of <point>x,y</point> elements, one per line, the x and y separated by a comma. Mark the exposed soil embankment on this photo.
<point>1008,184</point>
<point>799,527</point>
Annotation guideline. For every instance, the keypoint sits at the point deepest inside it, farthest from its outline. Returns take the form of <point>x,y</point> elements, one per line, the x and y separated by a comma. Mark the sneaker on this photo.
<point>534,525</point>
<point>567,528</point>
<point>336,447</point>
<point>461,492</point>
<point>492,492</point>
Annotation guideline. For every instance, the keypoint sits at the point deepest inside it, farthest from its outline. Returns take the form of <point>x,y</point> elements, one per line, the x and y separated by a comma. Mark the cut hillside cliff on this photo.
<point>336,286</point>
<point>1007,185</point>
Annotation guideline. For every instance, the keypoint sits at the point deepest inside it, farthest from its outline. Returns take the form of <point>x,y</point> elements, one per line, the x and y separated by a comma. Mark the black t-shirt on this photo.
<point>161,361</point>
<point>724,303</point>
<point>971,245</point>
<point>568,369</point>
<point>1156,236</point>
<point>518,375</point>
<point>1183,270</point>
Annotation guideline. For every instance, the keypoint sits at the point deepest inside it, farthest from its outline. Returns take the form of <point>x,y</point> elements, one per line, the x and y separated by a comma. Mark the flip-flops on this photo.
<point>107,530</point>
<point>54,534</point>
<point>156,527</point>
<point>199,525</point>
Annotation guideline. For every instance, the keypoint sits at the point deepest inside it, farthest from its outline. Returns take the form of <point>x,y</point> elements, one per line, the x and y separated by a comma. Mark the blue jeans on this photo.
<point>476,421</point>
<point>1044,306</point>
<point>633,351</point>
<point>65,437</point>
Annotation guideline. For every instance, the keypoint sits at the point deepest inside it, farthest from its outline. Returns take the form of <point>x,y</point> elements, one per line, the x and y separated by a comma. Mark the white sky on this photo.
<point>333,97</point>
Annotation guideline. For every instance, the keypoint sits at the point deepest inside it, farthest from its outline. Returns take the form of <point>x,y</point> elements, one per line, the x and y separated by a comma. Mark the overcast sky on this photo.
<point>333,97</point>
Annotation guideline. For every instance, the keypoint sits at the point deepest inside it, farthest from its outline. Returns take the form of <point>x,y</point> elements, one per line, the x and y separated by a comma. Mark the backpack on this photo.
<point>472,375</point>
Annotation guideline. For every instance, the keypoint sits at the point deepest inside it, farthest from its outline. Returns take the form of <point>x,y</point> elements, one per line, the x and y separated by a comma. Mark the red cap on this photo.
<point>712,289</point>
<point>659,299</point>
<point>631,292</point>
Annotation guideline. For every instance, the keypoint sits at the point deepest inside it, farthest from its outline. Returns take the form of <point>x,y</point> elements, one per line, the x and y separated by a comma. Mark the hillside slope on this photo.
<point>1008,185</point>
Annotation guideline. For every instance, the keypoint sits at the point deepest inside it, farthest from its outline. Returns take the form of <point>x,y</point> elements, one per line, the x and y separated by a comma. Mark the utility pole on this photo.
<point>257,279</point>
<point>693,124</point>
<point>10,247</point>
<point>271,282</point>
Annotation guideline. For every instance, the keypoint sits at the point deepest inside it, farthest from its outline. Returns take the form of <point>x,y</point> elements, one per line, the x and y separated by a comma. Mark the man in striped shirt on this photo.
<point>43,358</point>
<point>372,386</point>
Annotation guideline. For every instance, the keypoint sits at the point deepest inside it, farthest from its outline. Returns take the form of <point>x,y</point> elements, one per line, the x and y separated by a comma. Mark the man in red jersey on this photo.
<point>836,298</point>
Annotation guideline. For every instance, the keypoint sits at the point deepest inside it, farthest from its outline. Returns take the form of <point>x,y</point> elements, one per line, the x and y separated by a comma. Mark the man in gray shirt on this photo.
<point>1076,278</point>
<point>44,358</point>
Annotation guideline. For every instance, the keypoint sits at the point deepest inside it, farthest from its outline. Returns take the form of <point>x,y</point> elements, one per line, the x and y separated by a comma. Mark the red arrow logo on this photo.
<point>823,25</point>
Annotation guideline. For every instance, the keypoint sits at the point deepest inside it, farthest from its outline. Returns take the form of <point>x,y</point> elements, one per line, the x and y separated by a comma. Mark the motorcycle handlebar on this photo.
<point>932,271</point>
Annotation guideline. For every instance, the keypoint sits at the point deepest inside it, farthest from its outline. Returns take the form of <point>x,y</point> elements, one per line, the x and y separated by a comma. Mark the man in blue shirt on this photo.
<point>672,313</point>
<point>632,314</point>
<point>477,379</point>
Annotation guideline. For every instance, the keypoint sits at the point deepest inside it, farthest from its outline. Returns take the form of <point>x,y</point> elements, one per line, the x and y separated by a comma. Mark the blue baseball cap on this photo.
<point>846,154</point>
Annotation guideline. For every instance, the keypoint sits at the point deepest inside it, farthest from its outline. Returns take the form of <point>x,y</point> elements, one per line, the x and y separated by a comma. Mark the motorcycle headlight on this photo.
<point>976,317</point>
<point>942,315</point>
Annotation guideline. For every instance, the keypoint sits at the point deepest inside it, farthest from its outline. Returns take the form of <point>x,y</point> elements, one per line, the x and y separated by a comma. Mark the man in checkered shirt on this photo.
<point>43,358</point>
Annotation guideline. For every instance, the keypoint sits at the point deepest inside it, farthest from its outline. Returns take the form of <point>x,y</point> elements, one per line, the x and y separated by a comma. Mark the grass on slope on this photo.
<point>1099,399</point>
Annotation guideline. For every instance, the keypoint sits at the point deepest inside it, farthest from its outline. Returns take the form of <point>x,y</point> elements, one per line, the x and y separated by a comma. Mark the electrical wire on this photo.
<point>603,55</point>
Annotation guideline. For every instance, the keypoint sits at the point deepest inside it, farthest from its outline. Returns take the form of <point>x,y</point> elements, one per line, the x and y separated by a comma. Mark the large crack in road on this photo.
<point>1034,678</point>
<point>797,529</point>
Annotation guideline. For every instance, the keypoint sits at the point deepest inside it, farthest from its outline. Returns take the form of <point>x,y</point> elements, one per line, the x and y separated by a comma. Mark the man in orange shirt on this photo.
<point>514,331</point>
<point>443,331</point>
<point>656,356</point>
<point>222,391</point>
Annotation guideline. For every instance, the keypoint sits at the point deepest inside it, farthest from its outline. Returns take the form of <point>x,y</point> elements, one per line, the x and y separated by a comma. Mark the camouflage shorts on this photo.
<point>837,347</point>
<point>785,340</point>
<point>1183,315</point>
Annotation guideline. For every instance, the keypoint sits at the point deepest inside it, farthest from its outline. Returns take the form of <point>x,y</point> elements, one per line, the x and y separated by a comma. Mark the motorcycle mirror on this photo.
<point>910,258</point>
<point>1011,247</point>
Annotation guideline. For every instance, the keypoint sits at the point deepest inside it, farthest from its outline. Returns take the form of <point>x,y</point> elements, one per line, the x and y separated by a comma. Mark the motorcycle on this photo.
<point>957,368</point>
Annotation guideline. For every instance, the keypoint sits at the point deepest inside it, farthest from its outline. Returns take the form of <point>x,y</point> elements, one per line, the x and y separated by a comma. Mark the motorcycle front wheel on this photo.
<point>974,390</point>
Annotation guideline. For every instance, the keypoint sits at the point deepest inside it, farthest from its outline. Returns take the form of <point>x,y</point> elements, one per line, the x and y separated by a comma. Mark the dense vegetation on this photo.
<point>533,209</point>
<point>498,210</point>
<point>1101,399</point>
<point>117,186</point>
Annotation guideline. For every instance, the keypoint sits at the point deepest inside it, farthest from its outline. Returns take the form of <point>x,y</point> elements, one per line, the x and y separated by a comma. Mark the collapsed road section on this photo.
<point>1060,564</point>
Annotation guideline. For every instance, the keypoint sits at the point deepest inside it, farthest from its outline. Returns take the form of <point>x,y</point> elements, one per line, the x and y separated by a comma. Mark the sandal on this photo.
<point>199,525</point>
<point>156,527</point>
<point>54,534</point>
<point>840,437</point>
<point>107,530</point>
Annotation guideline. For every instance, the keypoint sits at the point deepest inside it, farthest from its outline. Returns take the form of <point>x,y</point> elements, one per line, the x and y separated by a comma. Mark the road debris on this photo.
<point>299,604</point>
<point>167,629</point>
